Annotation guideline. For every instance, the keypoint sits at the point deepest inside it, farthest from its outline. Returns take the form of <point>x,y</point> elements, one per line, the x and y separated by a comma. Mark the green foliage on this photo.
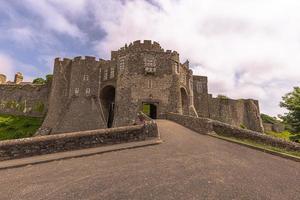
<point>39,107</point>
<point>39,81</point>
<point>220,96</point>
<point>242,126</point>
<point>291,101</point>
<point>295,138</point>
<point>49,78</point>
<point>14,127</point>
<point>268,119</point>
<point>286,135</point>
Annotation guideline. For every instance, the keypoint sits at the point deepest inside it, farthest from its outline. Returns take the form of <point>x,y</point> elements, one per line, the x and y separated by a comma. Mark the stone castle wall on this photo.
<point>138,73</point>
<point>28,100</point>
<point>240,113</point>
<point>87,93</point>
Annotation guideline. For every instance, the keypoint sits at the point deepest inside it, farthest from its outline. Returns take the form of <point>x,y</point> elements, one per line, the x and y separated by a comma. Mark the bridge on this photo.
<point>187,165</point>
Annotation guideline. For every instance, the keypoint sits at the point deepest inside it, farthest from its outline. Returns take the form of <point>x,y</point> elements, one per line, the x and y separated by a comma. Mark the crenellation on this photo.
<point>77,58</point>
<point>90,58</point>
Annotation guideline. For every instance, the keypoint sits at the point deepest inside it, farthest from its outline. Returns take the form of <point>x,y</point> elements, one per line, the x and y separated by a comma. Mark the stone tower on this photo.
<point>18,78</point>
<point>2,79</point>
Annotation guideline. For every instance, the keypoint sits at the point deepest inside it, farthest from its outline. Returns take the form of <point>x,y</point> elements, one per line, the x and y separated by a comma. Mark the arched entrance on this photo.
<point>107,97</point>
<point>184,102</point>
<point>150,109</point>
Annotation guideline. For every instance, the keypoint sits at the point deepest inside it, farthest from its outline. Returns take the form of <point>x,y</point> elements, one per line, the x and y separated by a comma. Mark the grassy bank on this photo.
<point>286,135</point>
<point>15,127</point>
<point>261,146</point>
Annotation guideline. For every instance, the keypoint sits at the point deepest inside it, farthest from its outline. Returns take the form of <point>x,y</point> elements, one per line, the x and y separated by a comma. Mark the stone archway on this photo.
<point>107,97</point>
<point>184,101</point>
<point>150,109</point>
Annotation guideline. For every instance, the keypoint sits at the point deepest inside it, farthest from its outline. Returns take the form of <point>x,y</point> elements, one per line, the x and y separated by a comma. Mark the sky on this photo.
<point>248,49</point>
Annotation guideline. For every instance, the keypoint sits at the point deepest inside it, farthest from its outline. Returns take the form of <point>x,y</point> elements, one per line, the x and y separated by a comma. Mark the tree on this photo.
<point>39,81</point>
<point>221,96</point>
<point>291,101</point>
<point>49,78</point>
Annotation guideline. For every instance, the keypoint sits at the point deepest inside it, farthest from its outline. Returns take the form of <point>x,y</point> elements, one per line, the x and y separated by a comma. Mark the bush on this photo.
<point>49,78</point>
<point>268,119</point>
<point>295,138</point>
<point>242,126</point>
<point>220,96</point>
<point>39,81</point>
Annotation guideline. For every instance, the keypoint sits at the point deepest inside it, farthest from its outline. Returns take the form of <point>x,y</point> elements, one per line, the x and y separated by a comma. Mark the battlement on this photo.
<point>138,46</point>
<point>86,59</point>
<point>146,45</point>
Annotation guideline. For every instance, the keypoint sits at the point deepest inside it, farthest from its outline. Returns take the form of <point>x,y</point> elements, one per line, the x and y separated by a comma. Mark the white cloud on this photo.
<point>10,66</point>
<point>6,66</point>
<point>54,19</point>
<point>248,49</point>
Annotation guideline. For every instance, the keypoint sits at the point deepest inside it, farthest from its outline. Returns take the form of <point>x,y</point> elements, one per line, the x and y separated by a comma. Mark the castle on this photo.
<point>91,94</point>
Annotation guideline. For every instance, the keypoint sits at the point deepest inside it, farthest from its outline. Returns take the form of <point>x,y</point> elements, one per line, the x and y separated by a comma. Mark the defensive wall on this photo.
<point>28,100</point>
<point>240,113</point>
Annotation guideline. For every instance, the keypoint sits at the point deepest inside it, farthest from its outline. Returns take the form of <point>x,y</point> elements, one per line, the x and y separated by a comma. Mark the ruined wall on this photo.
<point>278,128</point>
<point>240,113</point>
<point>243,112</point>
<point>28,100</point>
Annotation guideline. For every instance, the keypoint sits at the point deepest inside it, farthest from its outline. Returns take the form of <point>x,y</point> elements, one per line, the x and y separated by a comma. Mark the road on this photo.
<point>186,166</point>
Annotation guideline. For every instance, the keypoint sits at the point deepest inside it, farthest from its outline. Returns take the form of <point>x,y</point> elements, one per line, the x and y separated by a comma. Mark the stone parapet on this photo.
<point>19,148</point>
<point>204,126</point>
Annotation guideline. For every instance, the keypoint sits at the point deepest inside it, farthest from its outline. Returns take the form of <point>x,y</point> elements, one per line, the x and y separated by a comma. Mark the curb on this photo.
<point>7,164</point>
<point>276,153</point>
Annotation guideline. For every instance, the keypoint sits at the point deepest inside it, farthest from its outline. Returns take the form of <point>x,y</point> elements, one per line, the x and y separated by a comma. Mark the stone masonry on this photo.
<point>89,94</point>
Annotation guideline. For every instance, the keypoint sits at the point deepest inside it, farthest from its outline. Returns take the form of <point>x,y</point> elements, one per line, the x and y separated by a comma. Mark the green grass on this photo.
<point>262,146</point>
<point>15,127</point>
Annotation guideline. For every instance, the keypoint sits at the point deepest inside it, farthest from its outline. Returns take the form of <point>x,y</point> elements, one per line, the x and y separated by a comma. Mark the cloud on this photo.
<point>53,19</point>
<point>248,49</point>
<point>6,66</point>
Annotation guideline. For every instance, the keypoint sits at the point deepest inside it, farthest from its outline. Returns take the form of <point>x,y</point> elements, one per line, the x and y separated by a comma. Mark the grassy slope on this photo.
<point>262,146</point>
<point>286,135</point>
<point>14,127</point>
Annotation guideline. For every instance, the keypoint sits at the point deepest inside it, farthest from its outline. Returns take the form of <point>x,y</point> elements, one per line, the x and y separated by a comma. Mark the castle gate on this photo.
<point>150,109</point>
<point>107,97</point>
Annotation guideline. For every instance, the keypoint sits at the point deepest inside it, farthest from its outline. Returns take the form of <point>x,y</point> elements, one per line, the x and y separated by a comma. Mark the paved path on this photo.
<point>186,166</point>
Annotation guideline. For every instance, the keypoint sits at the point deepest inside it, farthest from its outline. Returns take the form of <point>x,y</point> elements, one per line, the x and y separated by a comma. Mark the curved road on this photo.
<point>186,166</point>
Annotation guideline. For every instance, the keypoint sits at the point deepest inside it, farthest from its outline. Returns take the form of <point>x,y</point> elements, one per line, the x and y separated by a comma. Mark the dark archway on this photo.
<point>150,109</point>
<point>107,97</point>
<point>184,101</point>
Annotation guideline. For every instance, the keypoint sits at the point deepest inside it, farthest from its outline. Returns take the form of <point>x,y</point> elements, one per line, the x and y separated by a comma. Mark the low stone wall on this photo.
<point>200,125</point>
<point>278,128</point>
<point>231,131</point>
<point>19,148</point>
<point>204,126</point>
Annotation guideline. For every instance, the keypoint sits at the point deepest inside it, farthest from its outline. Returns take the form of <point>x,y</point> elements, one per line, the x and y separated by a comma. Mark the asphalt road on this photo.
<point>186,166</point>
